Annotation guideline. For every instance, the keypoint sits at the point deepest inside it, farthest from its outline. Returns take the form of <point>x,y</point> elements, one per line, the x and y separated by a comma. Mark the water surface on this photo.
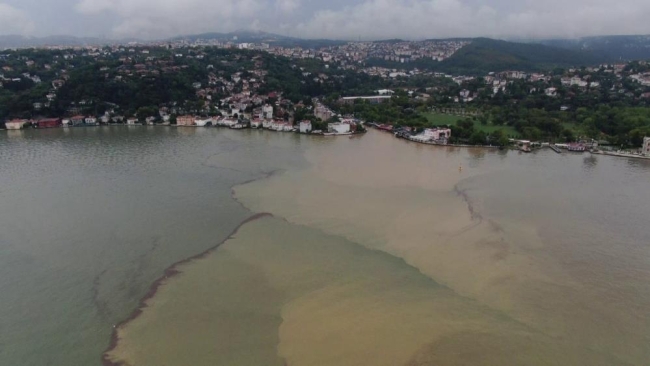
<point>380,251</point>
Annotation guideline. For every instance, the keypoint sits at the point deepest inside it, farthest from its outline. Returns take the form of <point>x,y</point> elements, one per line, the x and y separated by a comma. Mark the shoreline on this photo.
<point>619,155</point>
<point>168,273</point>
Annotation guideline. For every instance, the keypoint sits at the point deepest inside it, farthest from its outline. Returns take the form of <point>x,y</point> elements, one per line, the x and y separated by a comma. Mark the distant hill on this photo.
<point>612,48</point>
<point>249,36</point>
<point>241,36</point>
<point>485,54</point>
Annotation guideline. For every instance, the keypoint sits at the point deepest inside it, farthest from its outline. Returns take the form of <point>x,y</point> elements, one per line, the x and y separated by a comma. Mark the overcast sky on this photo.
<point>337,19</point>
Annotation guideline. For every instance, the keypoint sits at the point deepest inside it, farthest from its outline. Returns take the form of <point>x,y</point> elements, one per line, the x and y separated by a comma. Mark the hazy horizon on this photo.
<point>336,19</point>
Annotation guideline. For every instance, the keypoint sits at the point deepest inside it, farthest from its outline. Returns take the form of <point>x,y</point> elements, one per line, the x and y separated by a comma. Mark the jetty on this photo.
<point>555,148</point>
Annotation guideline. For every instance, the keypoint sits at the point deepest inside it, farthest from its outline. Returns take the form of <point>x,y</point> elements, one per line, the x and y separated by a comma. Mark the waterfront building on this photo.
<point>267,111</point>
<point>646,146</point>
<point>16,124</point>
<point>305,126</point>
<point>338,128</point>
<point>437,134</point>
<point>77,120</point>
<point>576,147</point>
<point>132,121</point>
<point>256,123</point>
<point>203,122</point>
<point>185,121</point>
<point>48,123</point>
<point>281,126</point>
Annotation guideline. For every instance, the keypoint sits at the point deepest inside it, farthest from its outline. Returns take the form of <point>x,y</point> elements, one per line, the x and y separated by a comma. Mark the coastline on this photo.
<point>168,273</point>
<point>619,155</point>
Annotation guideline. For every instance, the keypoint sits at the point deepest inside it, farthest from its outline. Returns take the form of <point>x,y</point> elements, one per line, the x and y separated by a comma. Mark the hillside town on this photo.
<point>239,85</point>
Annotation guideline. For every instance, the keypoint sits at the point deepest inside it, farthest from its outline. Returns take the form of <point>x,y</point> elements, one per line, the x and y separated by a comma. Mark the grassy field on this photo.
<point>438,119</point>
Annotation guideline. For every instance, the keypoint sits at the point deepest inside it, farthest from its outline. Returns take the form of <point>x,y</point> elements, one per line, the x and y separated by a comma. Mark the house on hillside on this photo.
<point>267,111</point>
<point>551,92</point>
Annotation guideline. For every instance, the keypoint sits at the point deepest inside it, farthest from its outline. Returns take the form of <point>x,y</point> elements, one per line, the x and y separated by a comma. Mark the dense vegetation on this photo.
<point>485,55</point>
<point>111,82</point>
<point>611,48</point>
<point>136,84</point>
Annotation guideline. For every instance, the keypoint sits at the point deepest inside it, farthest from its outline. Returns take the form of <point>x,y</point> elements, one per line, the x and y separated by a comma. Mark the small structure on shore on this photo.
<point>338,128</point>
<point>48,123</point>
<point>385,127</point>
<point>305,126</point>
<point>433,135</point>
<point>256,123</point>
<point>203,122</point>
<point>645,151</point>
<point>16,124</point>
<point>77,120</point>
<point>576,147</point>
<point>185,121</point>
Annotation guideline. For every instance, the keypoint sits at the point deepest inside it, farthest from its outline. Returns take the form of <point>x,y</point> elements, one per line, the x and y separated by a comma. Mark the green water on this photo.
<point>90,217</point>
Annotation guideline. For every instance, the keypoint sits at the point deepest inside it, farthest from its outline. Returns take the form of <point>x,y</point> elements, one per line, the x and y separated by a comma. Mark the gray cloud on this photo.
<point>341,19</point>
<point>14,21</point>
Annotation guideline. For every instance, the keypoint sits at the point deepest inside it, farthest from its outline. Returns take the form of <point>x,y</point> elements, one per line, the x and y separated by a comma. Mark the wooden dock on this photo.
<point>555,148</point>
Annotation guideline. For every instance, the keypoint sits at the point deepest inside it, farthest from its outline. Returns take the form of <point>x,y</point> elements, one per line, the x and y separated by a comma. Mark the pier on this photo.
<point>555,148</point>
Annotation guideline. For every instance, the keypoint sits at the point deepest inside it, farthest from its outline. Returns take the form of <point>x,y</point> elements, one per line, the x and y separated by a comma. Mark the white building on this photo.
<point>281,126</point>
<point>16,124</point>
<point>267,111</point>
<point>338,128</point>
<point>227,122</point>
<point>438,133</point>
<point>91,121</point>
<point>385,92</point>
<point>305,127</point>
<point>132,121</point>
<point>203,122</point>
<point>646,146</point>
